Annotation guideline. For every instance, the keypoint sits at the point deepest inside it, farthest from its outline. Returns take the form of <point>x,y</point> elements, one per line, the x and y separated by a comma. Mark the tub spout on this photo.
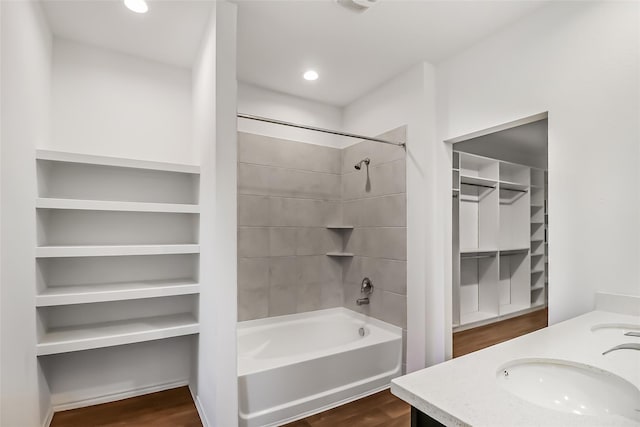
<point>361,301</point>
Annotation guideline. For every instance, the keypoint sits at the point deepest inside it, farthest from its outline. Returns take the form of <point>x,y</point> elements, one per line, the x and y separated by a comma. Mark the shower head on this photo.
<point>358,165</point>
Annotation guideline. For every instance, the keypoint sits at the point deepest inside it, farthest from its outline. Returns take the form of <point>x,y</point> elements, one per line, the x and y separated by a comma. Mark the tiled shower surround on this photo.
<point>288,193</point>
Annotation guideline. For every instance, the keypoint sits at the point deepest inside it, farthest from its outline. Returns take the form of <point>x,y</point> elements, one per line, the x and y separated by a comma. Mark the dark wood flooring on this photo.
<point>170,408</point>
<point>378,410</point>
<point>485,336</point>
<point>175,408</point>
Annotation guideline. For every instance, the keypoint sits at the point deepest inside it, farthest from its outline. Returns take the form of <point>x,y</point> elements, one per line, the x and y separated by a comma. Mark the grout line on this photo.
<point>290,169</point>
<point>374,197</point>
<point>289,197</point>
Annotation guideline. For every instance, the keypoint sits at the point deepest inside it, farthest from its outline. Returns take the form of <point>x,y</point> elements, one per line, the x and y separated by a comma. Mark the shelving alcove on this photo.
<point>117,260</point>
<point>499,231</point>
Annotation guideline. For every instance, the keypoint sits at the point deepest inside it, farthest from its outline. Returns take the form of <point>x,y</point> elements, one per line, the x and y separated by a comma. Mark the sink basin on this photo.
<point>570,387</point>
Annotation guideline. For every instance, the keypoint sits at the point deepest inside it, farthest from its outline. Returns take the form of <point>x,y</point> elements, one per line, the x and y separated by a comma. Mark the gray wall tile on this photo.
<point>264,150</point>
<point>252,304</point>
<point>383,211</point>
<point>379,242</point>
<point>288,193</point>
<point>252,273</point>
<point>282,241</point>
<point>379,180</point>
<point>283,270</point>
<point>394,309</point>
<point>289,212</point>
<point>282,299</point>
<point>253,242</point>
<point>253,210</point>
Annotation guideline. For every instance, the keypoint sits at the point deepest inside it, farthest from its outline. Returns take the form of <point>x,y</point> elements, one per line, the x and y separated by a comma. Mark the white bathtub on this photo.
<point>297,365</point>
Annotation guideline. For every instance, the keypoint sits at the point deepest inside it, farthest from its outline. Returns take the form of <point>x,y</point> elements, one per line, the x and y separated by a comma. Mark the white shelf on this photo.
<point>513,251</point>
<point>537,271</point>
<point>61,156</point>
<point>476,316</point>
<point>82,294</point>
<point>108,334</point>
<point>340,254</point>
<point>537,288</point>
<point>512,308</point>
<point>477,251</point>
<point>114,250</point>
<point>476,180</point>
<point>103,205</point>
<point>340,227</point>
<point>514,186</point>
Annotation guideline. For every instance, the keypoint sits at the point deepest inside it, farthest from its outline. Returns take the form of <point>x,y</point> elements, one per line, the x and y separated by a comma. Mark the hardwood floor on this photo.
<point>378,410</point>
<point>175,408</point>
<point>485,336</point>
<point>170,408</point>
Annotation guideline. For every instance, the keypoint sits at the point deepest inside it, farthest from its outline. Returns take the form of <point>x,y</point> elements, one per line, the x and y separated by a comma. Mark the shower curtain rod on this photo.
<point>333,132</point>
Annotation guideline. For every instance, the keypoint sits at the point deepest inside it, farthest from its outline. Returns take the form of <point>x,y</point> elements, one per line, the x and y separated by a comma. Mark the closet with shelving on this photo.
<point>499,236</point>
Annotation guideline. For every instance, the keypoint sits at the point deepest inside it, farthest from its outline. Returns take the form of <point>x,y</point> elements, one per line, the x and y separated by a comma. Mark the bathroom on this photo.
<point>127,178</point>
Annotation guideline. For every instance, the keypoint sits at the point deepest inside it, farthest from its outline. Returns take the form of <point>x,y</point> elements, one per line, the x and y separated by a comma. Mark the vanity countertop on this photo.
<point>464,391</point>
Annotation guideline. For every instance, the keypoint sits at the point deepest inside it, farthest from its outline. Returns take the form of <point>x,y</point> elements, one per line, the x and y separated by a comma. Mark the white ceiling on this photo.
<point>355,52</point>
<point>278,40</point>
<point>170,32</point>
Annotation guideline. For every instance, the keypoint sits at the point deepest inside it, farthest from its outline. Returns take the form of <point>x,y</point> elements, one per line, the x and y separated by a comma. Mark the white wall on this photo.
<point>258,101</point>
<point>580,62</point>
<point>409,99</point>
<point>109,103</point>
<point>215,133</point>
<point>25,88</point>
<point>113,104</point>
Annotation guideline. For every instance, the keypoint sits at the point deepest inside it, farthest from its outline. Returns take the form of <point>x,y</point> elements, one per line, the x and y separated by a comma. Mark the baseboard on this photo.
<point>118,396</point>
<point>203,416</point>
<point>49,417</point>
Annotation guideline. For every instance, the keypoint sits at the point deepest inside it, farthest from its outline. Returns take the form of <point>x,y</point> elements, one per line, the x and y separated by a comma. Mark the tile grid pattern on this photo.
<point>288,193</point>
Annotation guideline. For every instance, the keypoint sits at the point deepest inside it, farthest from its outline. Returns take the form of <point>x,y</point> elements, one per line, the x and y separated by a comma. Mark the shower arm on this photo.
<point>317,129</point>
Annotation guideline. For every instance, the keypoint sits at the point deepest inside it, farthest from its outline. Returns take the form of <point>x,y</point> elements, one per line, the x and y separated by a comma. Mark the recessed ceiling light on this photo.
<point>137,6</point>
<point>310,75</point>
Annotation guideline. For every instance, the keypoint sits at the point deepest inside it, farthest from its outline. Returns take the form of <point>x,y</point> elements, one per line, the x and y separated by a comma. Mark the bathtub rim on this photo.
<point>286,318</point>
<point>275,363</point>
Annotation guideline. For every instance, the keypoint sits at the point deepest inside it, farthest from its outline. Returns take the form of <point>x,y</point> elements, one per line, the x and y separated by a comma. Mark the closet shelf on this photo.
<point>476,180</point>
<point>540,254</point>
<point>340,254</point>
<point>114,250</point>
<point>533,206</point>
<point>477,251</point>
<point>513,186</point>
<point>61,156</point>
<point>104,205</point>
<point>537,288</point>
<point>340,227</point>
<point>537,271</point>
<point>476,316</point>
<point>108,334</point>
<point>512,308</point>
<point>103,292</point>
<point>512,251</point>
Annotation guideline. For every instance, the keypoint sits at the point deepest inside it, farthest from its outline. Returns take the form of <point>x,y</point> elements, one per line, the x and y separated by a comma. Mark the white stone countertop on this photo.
<point>464,391</point>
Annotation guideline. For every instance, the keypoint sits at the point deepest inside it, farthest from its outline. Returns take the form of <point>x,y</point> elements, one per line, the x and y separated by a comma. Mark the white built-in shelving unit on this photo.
<point>499,235</point>
<point>117,254</point>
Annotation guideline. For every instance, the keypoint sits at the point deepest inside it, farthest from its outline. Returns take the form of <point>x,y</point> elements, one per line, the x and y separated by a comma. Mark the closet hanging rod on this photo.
<point>317,129</point>
<point>477,185</point>
<point>476,256</point>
